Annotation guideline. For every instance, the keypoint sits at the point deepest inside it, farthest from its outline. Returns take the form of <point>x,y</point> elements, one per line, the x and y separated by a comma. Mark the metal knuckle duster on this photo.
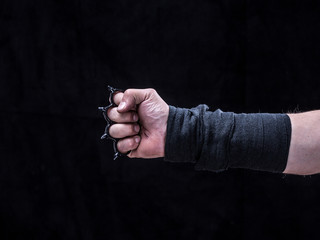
<point>105,112</point>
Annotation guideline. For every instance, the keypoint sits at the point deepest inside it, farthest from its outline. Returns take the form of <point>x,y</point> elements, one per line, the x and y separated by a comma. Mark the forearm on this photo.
<point>219,140</point>
<point>304,153</point>
<point>215,141</point>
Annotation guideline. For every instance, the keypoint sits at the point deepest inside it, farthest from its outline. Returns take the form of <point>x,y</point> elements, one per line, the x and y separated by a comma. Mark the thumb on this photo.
<point>132,97</point>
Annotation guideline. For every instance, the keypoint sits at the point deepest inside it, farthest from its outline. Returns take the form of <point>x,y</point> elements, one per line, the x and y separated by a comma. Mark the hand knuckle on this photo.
<point>111,113</point>
<point>117,97</point>
<point>132,128</point>
<point>120,146</point>
<point>130,144</point>
<point>111,130</point>
<point>128,92</point>
<point>152,91</point>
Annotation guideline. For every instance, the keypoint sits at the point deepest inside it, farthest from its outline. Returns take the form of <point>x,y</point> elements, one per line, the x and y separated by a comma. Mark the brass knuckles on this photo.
<point>106,134</point>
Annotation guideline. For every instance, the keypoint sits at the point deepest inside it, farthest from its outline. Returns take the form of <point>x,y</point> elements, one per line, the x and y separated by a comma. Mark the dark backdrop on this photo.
<point>58,179</point>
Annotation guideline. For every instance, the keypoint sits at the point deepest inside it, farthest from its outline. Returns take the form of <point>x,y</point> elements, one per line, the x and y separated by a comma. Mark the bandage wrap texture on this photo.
<point>216,141</point>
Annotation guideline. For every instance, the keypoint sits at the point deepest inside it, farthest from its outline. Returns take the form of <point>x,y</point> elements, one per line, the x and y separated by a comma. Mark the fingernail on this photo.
<point>122,105</point>
<point>135,117</point>
<point>136,139</point>
<point>136,128</point>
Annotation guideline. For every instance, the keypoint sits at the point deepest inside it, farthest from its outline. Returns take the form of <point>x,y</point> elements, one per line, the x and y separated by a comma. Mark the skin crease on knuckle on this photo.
<point>126,145</point>
<point>128,92</point>
<point>112,113</point>
<point>130,143</point>
<point>114,130</point>
<point>115,116</point>
<point>152,91</point>
<point>123,130</point>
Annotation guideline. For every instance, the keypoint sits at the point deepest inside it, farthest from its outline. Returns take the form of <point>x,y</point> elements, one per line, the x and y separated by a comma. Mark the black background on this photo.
<point>58,179</point>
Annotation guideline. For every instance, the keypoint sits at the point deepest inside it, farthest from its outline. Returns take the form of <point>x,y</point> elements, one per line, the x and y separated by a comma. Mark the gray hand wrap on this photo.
<point>218,140</point>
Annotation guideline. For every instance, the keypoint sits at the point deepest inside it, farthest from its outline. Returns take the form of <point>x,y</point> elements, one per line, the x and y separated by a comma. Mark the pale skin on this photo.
<point>147,107</point>
<point>304,152</point>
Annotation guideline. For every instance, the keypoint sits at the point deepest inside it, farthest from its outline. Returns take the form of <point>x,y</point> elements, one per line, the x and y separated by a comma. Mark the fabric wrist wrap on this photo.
<point>216,141</point>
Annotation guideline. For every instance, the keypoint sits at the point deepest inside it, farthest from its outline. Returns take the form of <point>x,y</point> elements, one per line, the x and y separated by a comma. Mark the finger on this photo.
<point>132,97</point>
<point>126,117</point>
<point>122,130</point>
<point>117,97</point>
<point>128,144</point>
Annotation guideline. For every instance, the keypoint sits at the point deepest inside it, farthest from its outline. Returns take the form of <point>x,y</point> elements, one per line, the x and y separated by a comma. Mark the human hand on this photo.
<point>147,107</point>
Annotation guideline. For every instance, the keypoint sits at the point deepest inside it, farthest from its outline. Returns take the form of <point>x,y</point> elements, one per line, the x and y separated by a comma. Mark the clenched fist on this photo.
<point>147,107</point>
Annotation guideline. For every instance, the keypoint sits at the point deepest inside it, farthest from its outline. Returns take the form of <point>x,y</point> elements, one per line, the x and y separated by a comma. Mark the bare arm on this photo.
<point>304,152</point>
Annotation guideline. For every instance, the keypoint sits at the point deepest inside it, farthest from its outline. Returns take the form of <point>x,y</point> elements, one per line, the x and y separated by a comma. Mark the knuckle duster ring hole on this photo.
<point>106,134</point>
